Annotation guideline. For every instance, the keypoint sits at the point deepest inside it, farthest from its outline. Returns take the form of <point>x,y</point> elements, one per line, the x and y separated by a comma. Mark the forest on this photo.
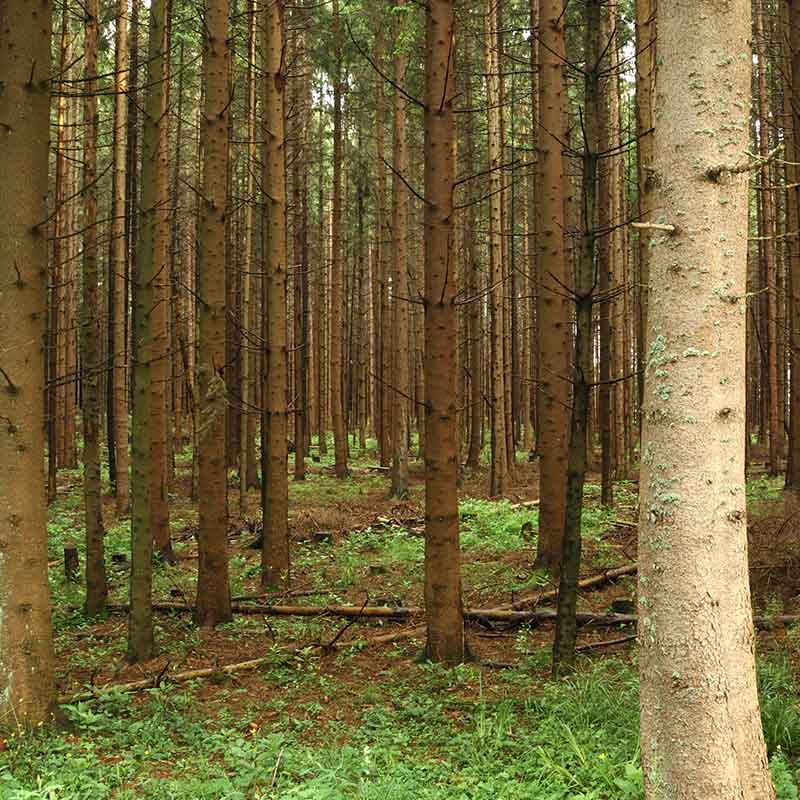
<point>399,399</point>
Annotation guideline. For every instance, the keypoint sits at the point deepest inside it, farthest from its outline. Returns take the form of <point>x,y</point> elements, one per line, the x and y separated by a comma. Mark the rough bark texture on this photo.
<point>118,266</point>
<point>401,380</point>
<point>337,278</point>
<point>96,586</point>
<point>701,729</point>
<point>497,410</point>
<point>554,316</point>
<point>27,688</point>
<point>140,621</point>
<point>275,554</point>
<point>213,591</point>
<point>442,555</point>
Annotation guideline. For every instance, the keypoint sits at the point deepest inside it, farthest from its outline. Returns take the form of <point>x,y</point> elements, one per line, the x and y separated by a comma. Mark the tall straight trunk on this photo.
<point>140,620</point>
<point>213,590</point>
<point>400,288</point>
<point>96,586</point>
<point>300,271</point>
<point>336,293</point>
<point>443,607</point>
<point>56,333</point>
<point>606,220</point>
<point>566,625</point>
<point>793,225</point>
<point>159,505</point>
<point>118,298</point>
<point>533,222</point>
<point>247,477</point>
<point>775,440</point>
<point>700,723</point>
<point>27,662</point>
<point>553,308</point>
<point>275,552</point>
<point>473,278</point>
<point>497,409</point>
<point>645,76</point>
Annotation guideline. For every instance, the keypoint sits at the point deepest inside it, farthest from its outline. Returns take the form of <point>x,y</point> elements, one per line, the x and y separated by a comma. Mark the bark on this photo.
<point>337,280</point>
<point>401,382</point>
<point>275,508</point>
<point>497,410</point>
<point>213,590</point>
<point>27,687</point>
<point>793,225</point>
<point>775,440</point>
<point>701,729</point>
<point>140,621</point>
<point>645,75</point>
<point>566,625</point>
<point>118,270</point>
<point>445,642</point>
<point>159,367</point>
<point>553,309</point>
<point>96,586</point>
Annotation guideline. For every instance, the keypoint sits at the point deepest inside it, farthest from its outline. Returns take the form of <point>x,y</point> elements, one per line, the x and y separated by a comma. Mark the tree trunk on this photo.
<point>701,729</point>
<point>443,604</point>
<point>213,590</point>
<point>96,587</point>
<point>401,383</point>
<point>497,410</point>
<point>553,311</point>
<point>27,662</point>
<point>275,553</point>
<point>140,630</point>
<point>118,270</point>
<point>566,624</point>
<point>336,292</point>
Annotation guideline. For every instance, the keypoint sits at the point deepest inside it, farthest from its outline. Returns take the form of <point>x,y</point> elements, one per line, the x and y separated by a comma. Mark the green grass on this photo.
<point>425,734</point>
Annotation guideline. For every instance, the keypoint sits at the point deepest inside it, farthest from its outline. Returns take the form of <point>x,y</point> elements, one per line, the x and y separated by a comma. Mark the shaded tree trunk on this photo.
<point>443,604</point>
<point>27,661</point>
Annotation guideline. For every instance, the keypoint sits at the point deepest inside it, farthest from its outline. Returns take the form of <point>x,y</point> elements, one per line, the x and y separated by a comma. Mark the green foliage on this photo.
<point>434,734</point>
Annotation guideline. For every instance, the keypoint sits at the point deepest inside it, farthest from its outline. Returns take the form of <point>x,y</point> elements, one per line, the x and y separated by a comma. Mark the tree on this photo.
<point>442,553</point>
<point>337,279</point>
<point>275,552</point>
<point>140,633</point>
<point>400,285</point>
<point>117,271</point>
<point>27,661</point>
<point>701,729</point>
<point>553,311</point>
<point>96,586</point>
<point>213,590</point>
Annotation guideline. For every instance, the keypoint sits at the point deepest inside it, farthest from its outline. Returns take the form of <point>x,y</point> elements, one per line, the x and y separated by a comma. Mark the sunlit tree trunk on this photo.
<point>700,723</point>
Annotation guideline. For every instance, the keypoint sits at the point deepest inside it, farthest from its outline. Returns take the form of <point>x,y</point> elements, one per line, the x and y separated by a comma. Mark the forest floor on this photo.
<point>365,719</point>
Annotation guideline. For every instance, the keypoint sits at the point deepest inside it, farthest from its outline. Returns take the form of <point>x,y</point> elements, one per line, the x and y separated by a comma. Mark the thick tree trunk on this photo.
<point>553,310</point>
<point>701,729</point>
<point>140,631</point>
<point>443,604</point>
<point>27,662</point>
<point>96,586</point>
<point>213,590</point>
<point>275,553</point>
